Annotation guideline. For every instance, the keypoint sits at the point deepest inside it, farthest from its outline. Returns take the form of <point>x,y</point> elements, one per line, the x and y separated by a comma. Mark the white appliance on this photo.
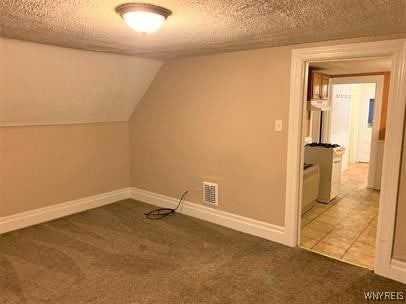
<point>329,158</point>
<point>310,189</point>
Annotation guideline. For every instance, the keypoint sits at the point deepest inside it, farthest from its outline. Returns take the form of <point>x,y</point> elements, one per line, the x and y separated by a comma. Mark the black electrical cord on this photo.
<point>160,213</point>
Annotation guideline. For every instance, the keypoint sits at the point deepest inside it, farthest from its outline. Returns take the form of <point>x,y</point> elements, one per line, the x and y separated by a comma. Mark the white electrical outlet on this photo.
<point>278,125</point>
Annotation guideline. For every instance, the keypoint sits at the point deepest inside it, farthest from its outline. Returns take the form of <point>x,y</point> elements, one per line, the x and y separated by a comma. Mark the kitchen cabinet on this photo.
<point>318,86</point>
<point>324,86</point>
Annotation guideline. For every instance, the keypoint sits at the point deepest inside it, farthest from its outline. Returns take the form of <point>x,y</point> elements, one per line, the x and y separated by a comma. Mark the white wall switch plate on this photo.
<point>278,125</point>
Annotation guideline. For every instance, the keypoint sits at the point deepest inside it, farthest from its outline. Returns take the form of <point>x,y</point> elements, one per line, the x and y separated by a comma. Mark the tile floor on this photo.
<point>346,227</point>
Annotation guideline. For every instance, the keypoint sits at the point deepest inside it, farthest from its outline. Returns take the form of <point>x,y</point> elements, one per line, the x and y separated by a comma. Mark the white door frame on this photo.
<point>378,80</point>
<point>393,141</point>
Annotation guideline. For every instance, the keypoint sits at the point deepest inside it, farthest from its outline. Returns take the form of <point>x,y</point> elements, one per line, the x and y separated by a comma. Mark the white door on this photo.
<point>366,121</point>
<point>340,119</point>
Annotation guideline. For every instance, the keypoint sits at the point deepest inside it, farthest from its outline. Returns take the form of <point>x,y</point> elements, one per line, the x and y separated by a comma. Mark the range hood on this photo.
<point>319,105</point>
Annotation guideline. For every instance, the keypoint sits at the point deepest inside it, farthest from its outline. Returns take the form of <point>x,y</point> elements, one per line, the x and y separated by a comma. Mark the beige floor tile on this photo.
<point>341,208</point>
<point>359,259</point>
<point>317,210</point>
<point>362,248</point>
<point>352,231</point>
<point>312,213</point>
<point>360,195</point>
<point>354,223</point>
<point>346,187</point>
<point>374,196</point>
<point>355,220</point>
<point>339,240</point>
<point>367,239</point>
<point>358,215</point>
<point>370,206</point>
<point>367,216</point>
<point>306,216</point>
<point>372,225</point>
<point>366,208</point>
<point>338,213</point>
<point>324,207</point>
<point>307,242</point>
<point>305,221</point>
<point>348,203</point>
<point>372,211</point>
<point>365,204</point>
<point>333,250</point>
<point>370,230</point>
<point>346,227</point>
<point>320,226</point>
<point>328,219</point>
<point>313,234</point>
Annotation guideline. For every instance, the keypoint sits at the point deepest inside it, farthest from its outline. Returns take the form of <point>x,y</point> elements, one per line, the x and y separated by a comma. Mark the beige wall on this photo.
<point>46,165</point>
<point>43,84</point>
<point>54,86</point>
<point>400,235</point>
<point>212,119</point>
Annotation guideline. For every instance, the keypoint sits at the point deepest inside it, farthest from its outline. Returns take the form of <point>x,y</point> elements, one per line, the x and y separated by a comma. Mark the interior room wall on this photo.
<point>44,159</point>
<point>43,84</point>
<point>212,118</point>
<point>45,165</point>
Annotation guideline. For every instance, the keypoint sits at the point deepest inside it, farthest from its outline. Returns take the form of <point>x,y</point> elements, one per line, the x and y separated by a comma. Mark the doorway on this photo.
<point>391,159</point>
<point>352,120</point>
<point>339,213</point>
<point>358,122</point>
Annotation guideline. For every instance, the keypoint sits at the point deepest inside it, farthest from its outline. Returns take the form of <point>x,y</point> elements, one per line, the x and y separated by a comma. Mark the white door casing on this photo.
<point>300,59</point>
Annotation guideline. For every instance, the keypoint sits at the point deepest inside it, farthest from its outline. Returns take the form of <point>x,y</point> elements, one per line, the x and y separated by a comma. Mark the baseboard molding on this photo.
<point>36,216</point>
<point>398,270</point>
<point>233,221</point>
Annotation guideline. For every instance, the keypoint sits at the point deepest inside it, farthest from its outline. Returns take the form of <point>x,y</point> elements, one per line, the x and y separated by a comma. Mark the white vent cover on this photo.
<point>210,193</point>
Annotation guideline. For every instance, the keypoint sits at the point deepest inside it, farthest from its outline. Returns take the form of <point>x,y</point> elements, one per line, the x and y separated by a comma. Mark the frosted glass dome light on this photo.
<point>143,18</point>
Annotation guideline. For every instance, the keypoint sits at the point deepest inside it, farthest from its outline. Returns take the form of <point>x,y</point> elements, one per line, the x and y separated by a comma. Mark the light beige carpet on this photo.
<point>114,255</point>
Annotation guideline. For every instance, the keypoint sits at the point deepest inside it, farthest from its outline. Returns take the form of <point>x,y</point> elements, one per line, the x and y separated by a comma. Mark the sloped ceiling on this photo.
<point>42,84</point>
<point>199,27</point>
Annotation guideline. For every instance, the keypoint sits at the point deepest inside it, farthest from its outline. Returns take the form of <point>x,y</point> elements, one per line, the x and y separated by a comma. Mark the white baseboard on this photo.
<point>36,216</point>
<point>233,221</point>
<point>398,271</point>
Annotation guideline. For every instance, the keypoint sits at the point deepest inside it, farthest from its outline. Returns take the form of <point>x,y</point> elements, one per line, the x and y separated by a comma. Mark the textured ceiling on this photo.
<point>354,66</point>
<point>199,26</point>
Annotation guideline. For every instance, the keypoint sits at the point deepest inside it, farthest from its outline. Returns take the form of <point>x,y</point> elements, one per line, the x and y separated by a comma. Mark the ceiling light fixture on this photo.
<point>142,17</point>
